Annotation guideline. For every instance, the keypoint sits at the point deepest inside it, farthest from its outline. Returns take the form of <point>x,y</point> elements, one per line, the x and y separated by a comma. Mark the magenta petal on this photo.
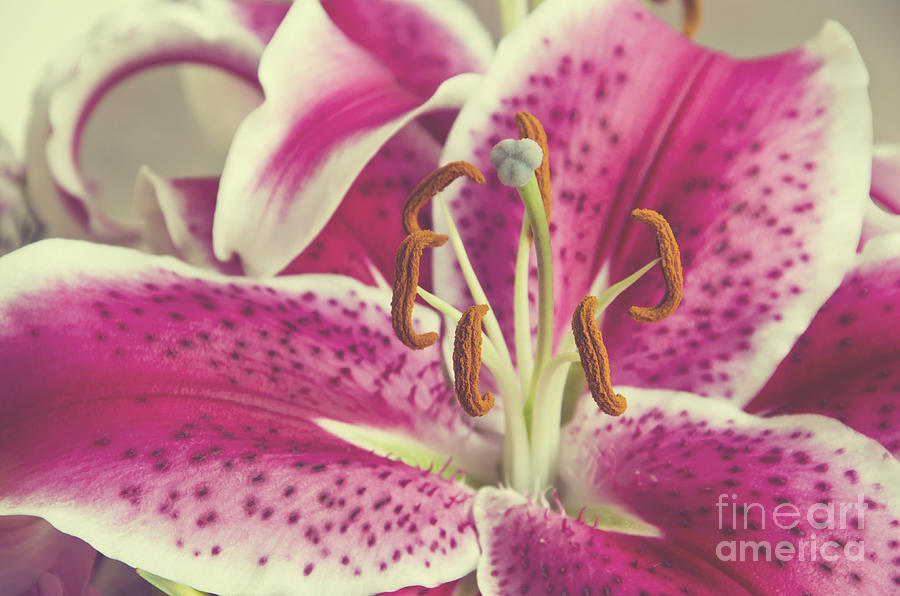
<point>361,238</point>
<point>73,201</point>
<point>886,177</point>
<point>175,419</point>
<point>692,467</point>
<point>330,105</point>
<point>883,212</point>
<point>530,550</point>
<point>260,16</point>
<point>760,166</point>
<point>846,364</point>
<point>422,42</point>
<point>34,554</point>
<point>178,218</point>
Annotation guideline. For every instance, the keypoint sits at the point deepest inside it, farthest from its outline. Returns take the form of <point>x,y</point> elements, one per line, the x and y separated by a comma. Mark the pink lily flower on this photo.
<point>244,437</point>
<point>363,64</point>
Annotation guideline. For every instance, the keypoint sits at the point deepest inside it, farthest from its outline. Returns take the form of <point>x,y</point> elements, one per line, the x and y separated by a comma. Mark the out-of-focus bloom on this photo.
<point>883,211</point>
<point>340,81</point>
<point>18,226</point>
<point>37,560</point>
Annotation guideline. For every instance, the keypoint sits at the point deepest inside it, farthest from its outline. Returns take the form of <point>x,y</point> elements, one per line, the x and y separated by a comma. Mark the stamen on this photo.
<point>693,13</point>
<point>467,362</point>
<point>670,262</point>
<point>594,359</point>
<point>434,183</point>
<point>531,128</point>
<point>406,281</point>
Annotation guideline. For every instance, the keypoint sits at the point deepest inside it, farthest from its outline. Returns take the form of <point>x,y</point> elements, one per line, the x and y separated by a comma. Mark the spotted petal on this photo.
<point>760,166</point>
<point>362,236</point>
<point>846,364</point>
<point>37,559</point>
<point>531,550</point>
<point>883,212</point>
<point>225,435</point>
<point>83,153</point>
<point>331,103</point>
<point>710,478</point>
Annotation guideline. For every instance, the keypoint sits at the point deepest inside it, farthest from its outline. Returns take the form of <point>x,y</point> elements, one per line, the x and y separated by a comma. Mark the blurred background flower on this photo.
<point>32,32</point>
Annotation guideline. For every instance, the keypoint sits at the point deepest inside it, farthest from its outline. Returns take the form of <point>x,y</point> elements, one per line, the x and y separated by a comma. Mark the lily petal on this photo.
<point>886,177</point>
<point>422,42</point>
<point>760,166</point>
<point>531,550</point>
<point>197,426</point>
<point>845,364</point>
<point>18,226</point>
<point>883,212</point>
<point>324,117</point>
<point>693,468</point>
<point>182,208</point>
<point>260,16</point>
<point>362,236</point>
<point>35,556</point>
<point>78,198</point>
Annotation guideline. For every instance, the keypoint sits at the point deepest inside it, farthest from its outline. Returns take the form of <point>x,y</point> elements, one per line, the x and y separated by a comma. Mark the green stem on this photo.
<point>522,310</point>
<point>606,297</point>
<point>546,420</point>
<point>516,453</point>
<point>478,295</point>
<point>540,229</point>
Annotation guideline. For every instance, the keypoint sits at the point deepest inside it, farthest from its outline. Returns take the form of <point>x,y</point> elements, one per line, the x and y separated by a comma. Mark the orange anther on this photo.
<point>594,359</point>
<point>467,362</point>
<point>406,283</point>
<point>531,128</point>
<point>434,183</point>
<point>670,262</point>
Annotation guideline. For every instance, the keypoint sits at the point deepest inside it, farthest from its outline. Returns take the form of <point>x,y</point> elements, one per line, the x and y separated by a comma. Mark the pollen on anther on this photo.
<point>434,183</point>
<point>670,262</point>
<point>467,362</point>
<point>406,282</point>
<point>531,128</point>
<point>594,359</point>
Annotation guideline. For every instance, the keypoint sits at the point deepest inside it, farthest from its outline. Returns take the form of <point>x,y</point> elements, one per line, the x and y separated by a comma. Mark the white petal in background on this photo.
<point>33,31</point>
<point>17,224</point>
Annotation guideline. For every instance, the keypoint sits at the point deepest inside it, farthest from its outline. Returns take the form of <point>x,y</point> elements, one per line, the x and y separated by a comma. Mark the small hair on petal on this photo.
<point>406,283</point>
<point>670,262</point>
<point>594,358</point>
<point>432,184</point>
<point>467,362</point>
